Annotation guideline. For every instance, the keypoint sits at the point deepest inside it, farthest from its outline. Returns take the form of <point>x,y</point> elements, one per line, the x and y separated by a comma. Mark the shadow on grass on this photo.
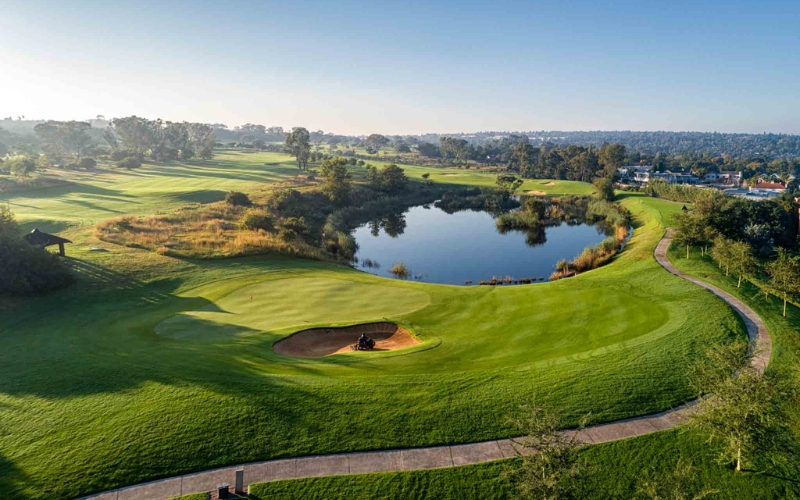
<point>201,196</point>
<point>46,225</point>
<point>11,477</point>
<point>99,336</point>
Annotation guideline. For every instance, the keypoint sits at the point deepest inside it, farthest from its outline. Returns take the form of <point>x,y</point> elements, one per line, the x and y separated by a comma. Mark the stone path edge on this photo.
<point>450,455</point>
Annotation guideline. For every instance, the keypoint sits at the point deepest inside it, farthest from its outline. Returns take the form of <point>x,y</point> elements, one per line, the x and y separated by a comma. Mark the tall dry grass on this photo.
<point>204,231</point>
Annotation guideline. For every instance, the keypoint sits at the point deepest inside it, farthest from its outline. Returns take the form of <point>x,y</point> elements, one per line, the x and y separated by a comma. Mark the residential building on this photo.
<point>758,192</point>
<point>730,178</point>
<point>682,177</point>
<point>769,187</point>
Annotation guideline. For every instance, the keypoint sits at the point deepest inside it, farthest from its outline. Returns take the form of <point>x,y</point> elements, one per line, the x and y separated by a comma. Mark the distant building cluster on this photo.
<point>731,182</point>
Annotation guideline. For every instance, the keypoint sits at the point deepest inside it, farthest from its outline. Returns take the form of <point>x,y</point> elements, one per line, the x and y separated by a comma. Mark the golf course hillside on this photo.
<point>151,365</point>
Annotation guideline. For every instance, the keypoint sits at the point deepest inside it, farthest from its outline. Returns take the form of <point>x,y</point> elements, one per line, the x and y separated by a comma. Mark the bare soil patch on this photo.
<point>319,342</point>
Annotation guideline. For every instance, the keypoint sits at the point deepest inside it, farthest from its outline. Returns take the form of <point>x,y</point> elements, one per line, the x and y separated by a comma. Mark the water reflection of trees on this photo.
<point>533,237</point>
<point>392,224</point>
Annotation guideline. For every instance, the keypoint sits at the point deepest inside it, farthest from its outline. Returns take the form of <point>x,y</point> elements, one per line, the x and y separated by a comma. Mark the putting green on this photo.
<point>510,335</point>
<point>277,304</point>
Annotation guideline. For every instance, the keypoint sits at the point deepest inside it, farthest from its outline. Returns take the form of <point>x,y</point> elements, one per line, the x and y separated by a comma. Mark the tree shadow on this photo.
<point>46,225</point>
<point>201,196</point>
<point>12,479</point>
<point>74,188</point>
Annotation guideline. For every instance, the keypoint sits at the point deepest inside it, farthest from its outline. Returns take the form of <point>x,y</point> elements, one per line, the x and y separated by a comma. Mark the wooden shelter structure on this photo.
<point>41,239</point>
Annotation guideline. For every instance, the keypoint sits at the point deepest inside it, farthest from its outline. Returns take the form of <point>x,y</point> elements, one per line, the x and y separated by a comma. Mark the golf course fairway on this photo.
<point>153,366</point>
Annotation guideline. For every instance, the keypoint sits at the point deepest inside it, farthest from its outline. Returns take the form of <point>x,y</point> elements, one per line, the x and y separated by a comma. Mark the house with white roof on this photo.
<point>729,178</point>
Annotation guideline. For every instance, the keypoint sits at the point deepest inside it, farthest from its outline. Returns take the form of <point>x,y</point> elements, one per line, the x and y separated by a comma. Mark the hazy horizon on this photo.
<point>287,128</point>
<point>358,68</point>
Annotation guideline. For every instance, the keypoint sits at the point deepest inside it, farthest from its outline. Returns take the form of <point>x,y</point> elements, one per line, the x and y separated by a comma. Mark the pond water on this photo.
<point>438,247</point>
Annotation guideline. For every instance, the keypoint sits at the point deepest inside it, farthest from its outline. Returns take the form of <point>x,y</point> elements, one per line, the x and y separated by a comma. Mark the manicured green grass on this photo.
<point>615,472</point>
<point>195,496</point>
<point>617,466</point>
<point>91,198</point>
<point>153,366</point>
<point>472,482</point>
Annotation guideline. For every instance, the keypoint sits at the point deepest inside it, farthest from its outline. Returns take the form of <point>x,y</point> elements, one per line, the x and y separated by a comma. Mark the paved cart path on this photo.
<point>443,456</point>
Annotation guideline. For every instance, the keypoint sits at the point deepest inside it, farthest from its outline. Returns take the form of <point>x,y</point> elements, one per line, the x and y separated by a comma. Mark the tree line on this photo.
<point>160,140</point>
<point>753,241</point>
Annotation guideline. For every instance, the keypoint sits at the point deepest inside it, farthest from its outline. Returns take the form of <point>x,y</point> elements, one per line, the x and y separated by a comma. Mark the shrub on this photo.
<point>393,178</point>
<point>26,269</point>
<point>255,220</point>
<point>610,212</point>
<point>237,199</point>
<point>43,161</point>
<point>287,235</point>
<point>609,245</point>
<point>296,224</point>
<point>130,163</point>
<point>120,154</point>
<point>399,270</point>
<point>87,163</point>
<point>283,200</point>
<point>21,166</point>
<point>604,189</point>
<point>342,244</point>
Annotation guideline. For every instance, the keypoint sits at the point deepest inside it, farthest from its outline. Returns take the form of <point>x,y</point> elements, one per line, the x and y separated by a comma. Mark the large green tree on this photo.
<point>136,134</point>
<point>721,253</point>
<point>63,137</point>
<point>689,231</point>
<point>612,157</point>
<point>376,141</point>
<point>784,273</point>
<point>336,179</point>
<point>374,178</point>
<point>737,407</point>
<point>393,178</point>
<point>604,188</point>
<point>742,261</point>
<point>297,144</point>
<point>523,159</point>
<point>554,468</point>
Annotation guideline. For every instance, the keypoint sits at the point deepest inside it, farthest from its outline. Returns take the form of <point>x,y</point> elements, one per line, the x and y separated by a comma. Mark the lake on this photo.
<point>454,248</point>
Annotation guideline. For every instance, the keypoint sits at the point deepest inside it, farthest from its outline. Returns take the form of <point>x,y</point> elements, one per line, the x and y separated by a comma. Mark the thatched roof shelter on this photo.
<point>42,239</point>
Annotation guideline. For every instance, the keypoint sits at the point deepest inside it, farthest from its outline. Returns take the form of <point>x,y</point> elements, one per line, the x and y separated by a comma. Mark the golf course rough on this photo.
<point>153,366</point>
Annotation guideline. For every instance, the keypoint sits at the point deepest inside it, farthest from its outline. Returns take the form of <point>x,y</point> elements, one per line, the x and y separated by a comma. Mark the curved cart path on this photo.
<point>443,456</point>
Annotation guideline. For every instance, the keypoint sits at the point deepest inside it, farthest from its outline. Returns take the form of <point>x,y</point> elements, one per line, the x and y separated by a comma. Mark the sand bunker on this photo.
<point>537,193</point>
<point>550,184</point>
<point>318,342</point>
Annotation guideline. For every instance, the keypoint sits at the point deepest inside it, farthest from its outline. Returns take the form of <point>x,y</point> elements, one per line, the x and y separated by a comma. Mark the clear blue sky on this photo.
<point>409,67</point>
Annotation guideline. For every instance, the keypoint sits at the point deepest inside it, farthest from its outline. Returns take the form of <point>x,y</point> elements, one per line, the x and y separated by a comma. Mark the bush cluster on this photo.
<point>130,163</point>
<point>237,199</point>
<point>26,269</point>
<point>258,220</point>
